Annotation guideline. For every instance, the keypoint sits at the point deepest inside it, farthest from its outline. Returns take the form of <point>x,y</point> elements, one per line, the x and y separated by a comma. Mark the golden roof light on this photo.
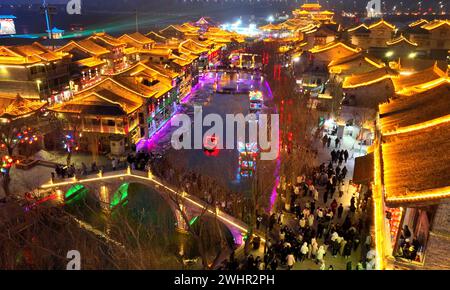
<point>421,81</point>
<point>369,78</point>
<point>359,56</point>
<point>137,38</point>
<point>400,39</point>
<point>106,38</point>
<point>429,177</point>
<point>90,62</point>
<point>85,45</point>
<point>99,96</point>
<point>418,22</point>
<point>20,108</point>
<point>436,24</point>
<point>382,22</point>
<point>311,6</point>
<point>332,45</point>
<point>358,27</point>
<point>29,54</point>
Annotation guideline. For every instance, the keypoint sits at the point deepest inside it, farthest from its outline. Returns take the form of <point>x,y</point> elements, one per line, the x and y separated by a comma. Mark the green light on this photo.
<point>74,190</point>
<point>120,195</point>
<point>192,221</point>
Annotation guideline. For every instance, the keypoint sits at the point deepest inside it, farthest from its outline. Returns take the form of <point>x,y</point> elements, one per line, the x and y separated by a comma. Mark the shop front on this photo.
<point>409,229</point>
<point>161,110</point>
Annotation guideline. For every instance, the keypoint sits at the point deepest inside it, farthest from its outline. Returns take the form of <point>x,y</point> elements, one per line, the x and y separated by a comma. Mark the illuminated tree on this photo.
<point>69,127</point>
<point>12,134</point>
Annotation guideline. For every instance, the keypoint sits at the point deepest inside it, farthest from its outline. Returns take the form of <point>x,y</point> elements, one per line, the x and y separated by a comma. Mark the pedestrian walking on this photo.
<point>344,172</point>
<point>345,155</point>
<point>304,251</point>
<point>311,220</point>
<point>337,142</point>
<point>325,141</point>
<point>340,210</point>
<point>341,189</point>
<point>258,221</point>
<point>290,261</point>
<point>334,206</point>
<point>114,163</point>
<point>320,254</point>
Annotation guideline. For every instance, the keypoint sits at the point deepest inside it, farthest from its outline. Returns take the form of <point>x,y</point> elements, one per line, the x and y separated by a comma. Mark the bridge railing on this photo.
<point>149,178</point>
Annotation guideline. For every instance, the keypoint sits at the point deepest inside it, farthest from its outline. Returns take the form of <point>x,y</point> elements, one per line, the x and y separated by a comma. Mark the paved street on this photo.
<point>338,262</point>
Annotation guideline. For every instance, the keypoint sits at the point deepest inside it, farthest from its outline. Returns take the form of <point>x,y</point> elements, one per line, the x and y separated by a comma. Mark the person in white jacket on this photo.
<point>302,223</point>
<point>311,220</point>
<point>320,254</point>
<point>304,251</point>
<point>316,195</point>
<point>314,247</point>
<point>334,236</point>
<point>290,260</point>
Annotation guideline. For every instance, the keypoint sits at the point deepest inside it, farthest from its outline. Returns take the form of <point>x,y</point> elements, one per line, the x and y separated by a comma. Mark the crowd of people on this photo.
<point>316,224</point>
<point>409,247</point>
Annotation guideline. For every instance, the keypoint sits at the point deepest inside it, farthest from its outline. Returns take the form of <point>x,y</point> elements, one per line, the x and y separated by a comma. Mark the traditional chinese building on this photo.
<point>321,56</point>
<point>103,111</point>
<point>89,62</point>
<point>120,56</point>
<point>184,31</point>
<point>354,64</point>
<point>369,89</point>
<point>373,37</point>
<point>420,81</point>
<point>158,85</point>
<point>34,72</point>
<point>412,181</point>
<point>313,12</point>
<point>138,41</point>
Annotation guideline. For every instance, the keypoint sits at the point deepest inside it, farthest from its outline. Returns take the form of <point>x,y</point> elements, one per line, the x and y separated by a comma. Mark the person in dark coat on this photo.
<point>333,156</point>
<point>347,223</point>
<point>344,172</point>
<point>340,210</point>
<point>336,142</point>
<point>338,170</point>
<point>341,159</point>
<point>274,264</point>
<point>334,206</point>
<point>345,155</point>
<point>356,243</point>
<point>250,262</point>
<point>347,249</point>
<point>325,140</point>
<point>329,142</point>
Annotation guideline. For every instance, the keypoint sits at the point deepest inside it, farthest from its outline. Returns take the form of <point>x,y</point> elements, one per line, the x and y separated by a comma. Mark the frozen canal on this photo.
<point>222,165</point>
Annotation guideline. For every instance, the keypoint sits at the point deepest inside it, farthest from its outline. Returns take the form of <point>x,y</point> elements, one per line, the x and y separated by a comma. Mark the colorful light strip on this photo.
<point>417,127</point>
<point>378,210</point>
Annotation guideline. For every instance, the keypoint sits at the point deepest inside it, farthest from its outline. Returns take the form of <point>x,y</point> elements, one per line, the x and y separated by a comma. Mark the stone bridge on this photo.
<point>105,185</point>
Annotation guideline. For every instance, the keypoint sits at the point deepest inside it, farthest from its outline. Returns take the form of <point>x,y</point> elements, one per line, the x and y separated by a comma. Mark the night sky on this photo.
<point>120,14</point>
<point>113,4</point>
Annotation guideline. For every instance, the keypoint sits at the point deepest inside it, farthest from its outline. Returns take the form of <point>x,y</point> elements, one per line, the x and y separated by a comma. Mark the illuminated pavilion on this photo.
<point>314,12</point>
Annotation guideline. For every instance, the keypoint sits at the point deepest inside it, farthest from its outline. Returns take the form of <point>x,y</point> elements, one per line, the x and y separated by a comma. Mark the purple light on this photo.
<point>149,143</point>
